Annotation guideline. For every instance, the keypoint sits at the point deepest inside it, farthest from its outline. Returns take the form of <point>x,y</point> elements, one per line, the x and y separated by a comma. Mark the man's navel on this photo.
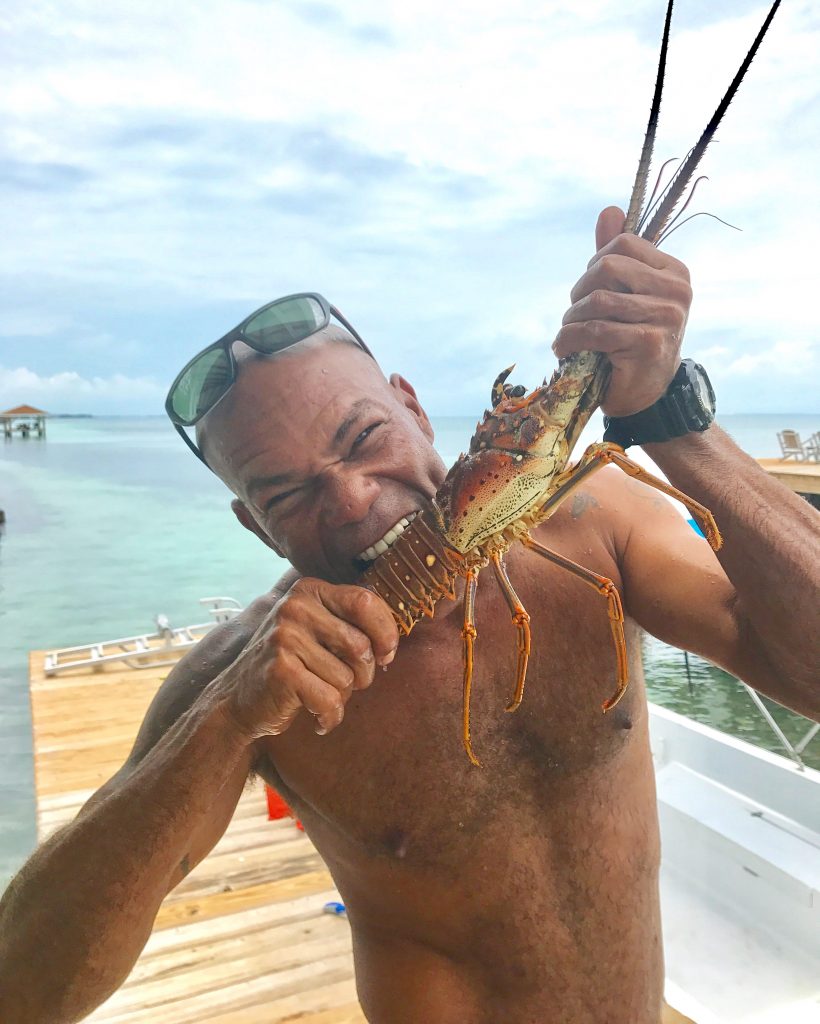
<point>395,842</point>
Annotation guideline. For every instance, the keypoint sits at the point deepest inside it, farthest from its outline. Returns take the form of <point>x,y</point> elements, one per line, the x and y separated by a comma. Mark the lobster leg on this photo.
<point>469,635</point>
<point>604,453</point>
<point>521,620</point>
<point>607,589</point>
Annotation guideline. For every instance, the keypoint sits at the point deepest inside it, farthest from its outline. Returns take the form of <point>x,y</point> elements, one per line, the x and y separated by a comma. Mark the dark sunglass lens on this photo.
<point>202,385</point>
<point>285,323</point>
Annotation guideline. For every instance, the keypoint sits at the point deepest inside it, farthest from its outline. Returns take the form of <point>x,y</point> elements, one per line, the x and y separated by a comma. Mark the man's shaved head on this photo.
<point>247,359</point>
<point>322,451</point>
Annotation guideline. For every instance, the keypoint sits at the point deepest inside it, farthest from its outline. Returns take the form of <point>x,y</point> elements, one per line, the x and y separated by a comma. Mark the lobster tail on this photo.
<point>642,175</point>
<point>677,186</point>
<point>414,573</point>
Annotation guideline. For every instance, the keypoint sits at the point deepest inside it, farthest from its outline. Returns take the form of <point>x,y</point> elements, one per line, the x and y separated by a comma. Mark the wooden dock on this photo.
<point>244,938</point>
<point>801,477</point>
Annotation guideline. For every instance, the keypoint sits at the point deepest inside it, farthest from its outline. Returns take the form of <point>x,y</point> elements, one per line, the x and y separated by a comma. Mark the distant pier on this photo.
<point>24,420</point>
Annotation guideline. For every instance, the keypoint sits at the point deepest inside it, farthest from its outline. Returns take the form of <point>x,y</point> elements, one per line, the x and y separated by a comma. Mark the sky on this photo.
<point>434,169</point>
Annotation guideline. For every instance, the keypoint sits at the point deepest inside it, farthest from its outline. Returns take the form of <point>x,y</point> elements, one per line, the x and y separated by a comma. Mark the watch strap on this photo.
<point>666,419</point>
<point>660,422</point>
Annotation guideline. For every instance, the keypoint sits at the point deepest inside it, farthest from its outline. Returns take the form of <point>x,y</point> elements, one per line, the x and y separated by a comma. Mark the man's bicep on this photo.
<point>674,585</point>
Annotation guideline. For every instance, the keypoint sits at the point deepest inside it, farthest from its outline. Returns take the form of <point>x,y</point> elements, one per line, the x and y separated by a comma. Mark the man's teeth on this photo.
<point>392,535</point>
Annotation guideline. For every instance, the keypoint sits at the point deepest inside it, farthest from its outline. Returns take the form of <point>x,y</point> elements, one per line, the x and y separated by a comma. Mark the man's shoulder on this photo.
<point>608,504</point>
<point>599,498</point>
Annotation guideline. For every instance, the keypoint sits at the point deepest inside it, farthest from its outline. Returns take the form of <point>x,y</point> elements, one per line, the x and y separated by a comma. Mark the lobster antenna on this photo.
<point>678,185</point>
<point>685,206</point>
<point>703,213</point>
<point>642,175</point>
<point>650,203</point>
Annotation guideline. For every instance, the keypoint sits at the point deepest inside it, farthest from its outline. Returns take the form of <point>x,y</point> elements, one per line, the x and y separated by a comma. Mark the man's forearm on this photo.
<point>771,554</point>
<point>75,919</point>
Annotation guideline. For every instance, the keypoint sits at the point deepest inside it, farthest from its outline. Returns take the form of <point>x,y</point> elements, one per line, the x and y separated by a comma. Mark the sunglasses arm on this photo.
<point>181,431</point>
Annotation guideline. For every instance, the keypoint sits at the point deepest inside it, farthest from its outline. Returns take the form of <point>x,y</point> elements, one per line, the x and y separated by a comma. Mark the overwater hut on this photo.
<point>24,419</point>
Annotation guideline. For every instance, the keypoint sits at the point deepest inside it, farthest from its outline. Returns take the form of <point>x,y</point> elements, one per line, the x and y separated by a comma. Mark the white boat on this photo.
<point>740,876</point>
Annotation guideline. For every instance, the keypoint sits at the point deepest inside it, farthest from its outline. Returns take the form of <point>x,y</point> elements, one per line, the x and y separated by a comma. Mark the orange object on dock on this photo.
<point>278,808</point>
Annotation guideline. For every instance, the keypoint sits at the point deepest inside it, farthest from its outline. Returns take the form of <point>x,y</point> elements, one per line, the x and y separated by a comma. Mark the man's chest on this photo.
<point>398,761</point>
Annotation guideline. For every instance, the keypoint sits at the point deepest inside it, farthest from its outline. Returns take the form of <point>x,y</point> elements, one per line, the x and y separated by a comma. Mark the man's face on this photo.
<point>323,453</point>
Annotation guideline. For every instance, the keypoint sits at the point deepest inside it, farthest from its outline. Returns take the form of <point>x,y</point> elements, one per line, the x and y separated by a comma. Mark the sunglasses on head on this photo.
<point>208,377</point>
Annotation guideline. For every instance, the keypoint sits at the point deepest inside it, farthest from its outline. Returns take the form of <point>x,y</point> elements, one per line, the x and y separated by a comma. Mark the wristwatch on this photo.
<point>687,407</point>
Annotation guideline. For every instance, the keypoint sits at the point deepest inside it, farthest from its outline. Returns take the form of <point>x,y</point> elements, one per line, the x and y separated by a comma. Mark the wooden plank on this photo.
<point>178,912</point>
<point>178,1007</point>
<point>220,966</point>
<point>293,1010</point>
<point>244,935</point>
<point>56,809</point>
<point>802,477</point>
<point>193,934</point>
<point>671,1016</point>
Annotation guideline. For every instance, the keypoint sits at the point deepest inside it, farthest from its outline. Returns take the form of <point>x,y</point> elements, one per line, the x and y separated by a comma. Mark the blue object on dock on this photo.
<point>696,528</point>
<point>338,909</point>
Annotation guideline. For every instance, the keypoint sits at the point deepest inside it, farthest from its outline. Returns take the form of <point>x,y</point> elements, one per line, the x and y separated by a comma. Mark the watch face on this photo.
<point>701,387</point>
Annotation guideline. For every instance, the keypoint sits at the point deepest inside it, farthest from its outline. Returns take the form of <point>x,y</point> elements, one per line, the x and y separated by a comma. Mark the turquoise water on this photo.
<point>111,521</point>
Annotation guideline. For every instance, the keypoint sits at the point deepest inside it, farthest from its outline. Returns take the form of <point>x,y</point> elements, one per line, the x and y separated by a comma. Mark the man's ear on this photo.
<point>409,399</point>
<point>242,513</point>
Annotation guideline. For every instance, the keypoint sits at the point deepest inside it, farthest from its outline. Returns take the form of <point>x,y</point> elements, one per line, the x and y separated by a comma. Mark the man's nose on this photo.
<point>349,496</point>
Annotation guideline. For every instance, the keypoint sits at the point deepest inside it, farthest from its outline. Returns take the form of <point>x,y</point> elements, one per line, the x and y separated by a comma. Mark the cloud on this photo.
<point>332,18</point>
<point>434,169</point>
<point>68,391</point>
<point>31,323</point>
<point>788,358</point>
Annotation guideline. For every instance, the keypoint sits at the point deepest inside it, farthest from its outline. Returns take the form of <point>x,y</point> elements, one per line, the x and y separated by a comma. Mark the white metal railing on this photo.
<point>145,650</point>
<point>794,750</point>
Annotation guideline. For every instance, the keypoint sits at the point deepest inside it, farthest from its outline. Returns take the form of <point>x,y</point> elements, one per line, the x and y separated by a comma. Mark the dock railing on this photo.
<point>144,650</point>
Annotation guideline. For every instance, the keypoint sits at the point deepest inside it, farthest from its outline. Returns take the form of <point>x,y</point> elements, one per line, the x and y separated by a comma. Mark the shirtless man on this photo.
<point>524,892</point>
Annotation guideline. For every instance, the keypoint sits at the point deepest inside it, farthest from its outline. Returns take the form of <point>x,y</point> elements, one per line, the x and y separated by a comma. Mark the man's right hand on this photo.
<point>317,645</point>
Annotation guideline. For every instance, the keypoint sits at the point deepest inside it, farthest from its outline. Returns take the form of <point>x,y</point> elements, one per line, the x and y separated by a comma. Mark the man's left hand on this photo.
<point>632,304</point>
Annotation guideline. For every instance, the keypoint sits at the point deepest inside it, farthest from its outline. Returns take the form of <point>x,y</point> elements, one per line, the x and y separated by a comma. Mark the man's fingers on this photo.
<point>639,249</point>
<point>644,359</point>
<point>321,642</point>
<point>638,342</point>
<point>321,700</point>
<point>616,273</point>
<point>349,645</point>
<point>626,309</point>
<point>327,666</point>
<point>610,225</point>
<point>366,611</point>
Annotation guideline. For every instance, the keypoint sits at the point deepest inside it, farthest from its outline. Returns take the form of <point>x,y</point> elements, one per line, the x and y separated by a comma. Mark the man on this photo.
<point>521,892</point>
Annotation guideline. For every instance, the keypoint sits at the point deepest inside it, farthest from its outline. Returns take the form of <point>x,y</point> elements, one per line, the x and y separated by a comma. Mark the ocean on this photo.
<point>111,521</point>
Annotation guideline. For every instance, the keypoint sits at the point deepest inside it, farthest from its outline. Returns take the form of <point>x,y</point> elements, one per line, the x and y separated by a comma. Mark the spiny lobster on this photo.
<point>515,474</point>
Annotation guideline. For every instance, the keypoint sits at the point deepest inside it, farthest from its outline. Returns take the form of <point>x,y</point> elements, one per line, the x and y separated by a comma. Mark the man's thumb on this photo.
<point>610,224</point>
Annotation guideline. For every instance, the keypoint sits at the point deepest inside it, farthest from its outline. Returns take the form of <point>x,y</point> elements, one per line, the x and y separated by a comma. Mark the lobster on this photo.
<point>516,473</point>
